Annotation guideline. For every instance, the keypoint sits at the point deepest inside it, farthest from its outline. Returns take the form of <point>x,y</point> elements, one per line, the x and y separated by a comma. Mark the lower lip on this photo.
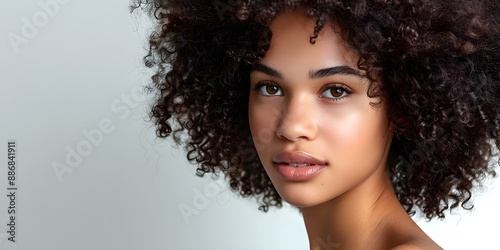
<point>305,173</point>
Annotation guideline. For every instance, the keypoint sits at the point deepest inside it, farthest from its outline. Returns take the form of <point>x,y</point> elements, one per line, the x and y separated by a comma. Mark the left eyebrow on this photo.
<point>337,70</point>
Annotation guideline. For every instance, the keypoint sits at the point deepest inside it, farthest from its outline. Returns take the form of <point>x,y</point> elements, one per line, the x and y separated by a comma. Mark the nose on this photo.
<point>298,120</point>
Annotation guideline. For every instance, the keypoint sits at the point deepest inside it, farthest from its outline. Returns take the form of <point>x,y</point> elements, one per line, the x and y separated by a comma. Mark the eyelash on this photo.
<point>343,87</point>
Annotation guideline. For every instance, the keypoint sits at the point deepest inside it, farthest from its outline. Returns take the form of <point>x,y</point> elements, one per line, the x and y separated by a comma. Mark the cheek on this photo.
<point>355,132</point>
<point>262,121</point>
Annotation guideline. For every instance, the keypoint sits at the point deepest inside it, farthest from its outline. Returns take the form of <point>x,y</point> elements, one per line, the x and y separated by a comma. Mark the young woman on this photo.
<point>356,112</point>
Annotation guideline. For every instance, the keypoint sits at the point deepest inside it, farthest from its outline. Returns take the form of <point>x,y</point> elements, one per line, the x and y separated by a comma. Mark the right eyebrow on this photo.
<point>267,70</point>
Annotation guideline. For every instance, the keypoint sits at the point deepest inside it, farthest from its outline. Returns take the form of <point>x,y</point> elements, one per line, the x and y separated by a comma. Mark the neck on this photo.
<point>352,220</point>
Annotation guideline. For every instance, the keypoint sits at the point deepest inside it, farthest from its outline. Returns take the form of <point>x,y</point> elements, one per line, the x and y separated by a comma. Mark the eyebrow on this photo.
<point>337,70</point>
<point>267,70</point>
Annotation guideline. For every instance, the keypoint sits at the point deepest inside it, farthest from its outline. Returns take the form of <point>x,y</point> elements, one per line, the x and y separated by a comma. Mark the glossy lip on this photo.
<point>282,161</point>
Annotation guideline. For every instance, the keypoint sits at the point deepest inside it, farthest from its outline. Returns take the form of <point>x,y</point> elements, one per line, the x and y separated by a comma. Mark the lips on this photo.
<point>297,166</point>
<point>297,159</point>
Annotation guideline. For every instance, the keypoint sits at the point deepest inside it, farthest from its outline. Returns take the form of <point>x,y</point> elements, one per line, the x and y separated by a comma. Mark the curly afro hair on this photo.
<point>434,63</point>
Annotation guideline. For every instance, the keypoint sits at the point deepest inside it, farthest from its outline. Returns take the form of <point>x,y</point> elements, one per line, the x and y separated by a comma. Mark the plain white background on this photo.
<point>72,72</point>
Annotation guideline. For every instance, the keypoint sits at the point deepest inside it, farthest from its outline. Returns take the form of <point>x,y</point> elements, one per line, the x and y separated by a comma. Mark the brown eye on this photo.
<point>272,90</point>
<point>337,92</point>
<point>268,89</point>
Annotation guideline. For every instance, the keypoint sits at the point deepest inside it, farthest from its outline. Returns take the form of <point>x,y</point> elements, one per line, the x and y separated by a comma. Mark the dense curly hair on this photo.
<point>435,64</point>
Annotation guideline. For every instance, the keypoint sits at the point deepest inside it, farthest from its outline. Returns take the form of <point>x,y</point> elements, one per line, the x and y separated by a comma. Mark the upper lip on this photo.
<point>297,157</point>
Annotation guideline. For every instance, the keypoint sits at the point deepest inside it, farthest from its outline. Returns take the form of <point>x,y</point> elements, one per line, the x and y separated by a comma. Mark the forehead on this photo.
<point>290,45</point>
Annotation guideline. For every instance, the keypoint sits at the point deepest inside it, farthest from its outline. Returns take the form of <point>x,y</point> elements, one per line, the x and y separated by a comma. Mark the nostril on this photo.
<point>295,127</point>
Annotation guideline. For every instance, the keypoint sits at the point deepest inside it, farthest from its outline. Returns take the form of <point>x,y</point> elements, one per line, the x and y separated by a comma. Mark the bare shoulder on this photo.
<point>413,241</point>
<point>404,234</point>
<point>417,245</point>
<point>399,231</point>
<point>407,247</point>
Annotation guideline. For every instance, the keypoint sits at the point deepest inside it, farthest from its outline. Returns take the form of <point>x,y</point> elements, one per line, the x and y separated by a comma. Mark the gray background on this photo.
<point>80,66</point>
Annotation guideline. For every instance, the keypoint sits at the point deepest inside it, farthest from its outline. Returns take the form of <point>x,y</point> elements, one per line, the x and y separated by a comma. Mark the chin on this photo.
<point>302,203</point>
<point>300,199</point>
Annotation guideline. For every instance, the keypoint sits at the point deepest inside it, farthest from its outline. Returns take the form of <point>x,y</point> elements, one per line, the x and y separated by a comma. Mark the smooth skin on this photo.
<point>312,98</point>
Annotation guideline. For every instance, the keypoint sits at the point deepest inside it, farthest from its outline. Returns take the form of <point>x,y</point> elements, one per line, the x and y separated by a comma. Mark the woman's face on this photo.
<point>312,125</point>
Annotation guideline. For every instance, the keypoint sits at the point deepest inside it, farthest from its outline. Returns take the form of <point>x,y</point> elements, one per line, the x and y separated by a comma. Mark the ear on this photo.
<point>391,126</point>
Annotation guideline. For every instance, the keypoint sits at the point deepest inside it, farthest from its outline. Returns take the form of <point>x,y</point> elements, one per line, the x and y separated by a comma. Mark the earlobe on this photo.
<point>389,121</point>
<point>392,126</point>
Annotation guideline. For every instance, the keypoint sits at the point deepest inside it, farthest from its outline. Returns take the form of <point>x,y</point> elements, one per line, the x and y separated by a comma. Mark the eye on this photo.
<point>337,91</point>
<point>268,89</point>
